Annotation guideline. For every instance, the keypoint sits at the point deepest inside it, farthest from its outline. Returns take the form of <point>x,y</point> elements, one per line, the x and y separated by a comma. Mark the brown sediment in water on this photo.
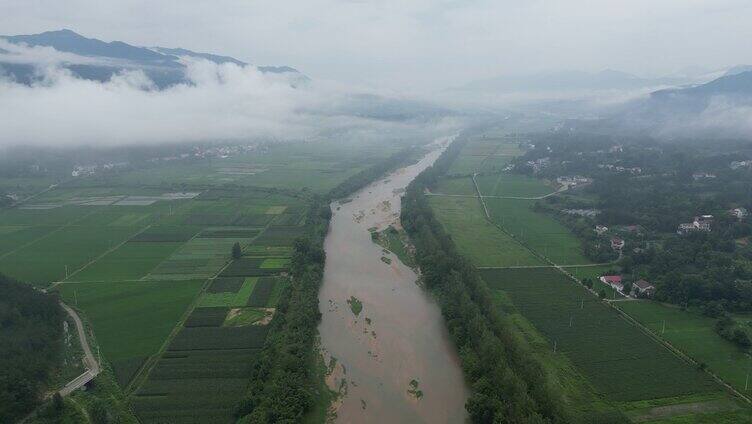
<point>405,338</point>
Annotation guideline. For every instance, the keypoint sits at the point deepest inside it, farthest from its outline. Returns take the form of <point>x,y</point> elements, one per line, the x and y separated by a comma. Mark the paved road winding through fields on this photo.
<point>92,366</point>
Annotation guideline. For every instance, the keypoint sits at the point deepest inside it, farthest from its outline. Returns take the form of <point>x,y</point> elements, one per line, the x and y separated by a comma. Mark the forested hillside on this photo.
<point>30,331</point>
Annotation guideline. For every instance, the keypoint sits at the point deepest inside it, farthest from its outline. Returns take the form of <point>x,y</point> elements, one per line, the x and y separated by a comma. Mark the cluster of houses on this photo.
<point>617,243</point>
<point>700,223</point>
<point>740,164</point>
<point>221,152</point>
<point>739,213</point>
<point>572,182</point>
<point>589,213</point>
<point>702,176</point>
<point>539,164</point>
<point>640,288</point>
<point>87,170</point>
<point>635,170</point>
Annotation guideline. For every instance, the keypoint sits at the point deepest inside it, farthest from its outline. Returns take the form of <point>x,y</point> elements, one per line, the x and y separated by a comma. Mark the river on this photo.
<point>399,338</point>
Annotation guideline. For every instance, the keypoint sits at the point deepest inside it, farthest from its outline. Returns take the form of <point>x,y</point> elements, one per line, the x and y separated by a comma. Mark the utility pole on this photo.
<point>746,382</point>
<point>570,321</point>
<point>554,346</point>
<point>663,329</point>
<point>66,271</point>
<point>75,296</point>
<point>582,303</point>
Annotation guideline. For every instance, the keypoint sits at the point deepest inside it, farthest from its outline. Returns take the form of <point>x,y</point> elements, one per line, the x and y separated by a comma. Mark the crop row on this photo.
<point>619,360</point>
<point>226,285</point>
<point>208,338</point>
<point>262,292</point>
<point>207,317</point>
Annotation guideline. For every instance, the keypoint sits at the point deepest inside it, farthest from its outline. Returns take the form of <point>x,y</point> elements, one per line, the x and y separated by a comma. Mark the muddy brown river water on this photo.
<point>399,337</point>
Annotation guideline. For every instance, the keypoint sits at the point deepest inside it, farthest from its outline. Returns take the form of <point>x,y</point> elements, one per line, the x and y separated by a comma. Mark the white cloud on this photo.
<point>418,44</point>
<point>219,102</point>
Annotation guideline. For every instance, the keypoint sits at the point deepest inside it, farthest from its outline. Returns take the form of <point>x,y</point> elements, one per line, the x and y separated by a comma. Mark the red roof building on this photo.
<point>617,243</point>
<point>613,281</point>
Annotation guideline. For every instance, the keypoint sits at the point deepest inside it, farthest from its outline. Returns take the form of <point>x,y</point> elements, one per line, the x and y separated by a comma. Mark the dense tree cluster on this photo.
<point>508,384</point>
<point>31,326</point>
<point>727,328</point>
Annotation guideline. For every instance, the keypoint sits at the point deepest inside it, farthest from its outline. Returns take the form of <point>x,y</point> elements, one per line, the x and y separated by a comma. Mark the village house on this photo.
<point>739,213</point>
<point>700,223</point>
<point>613,281</point>
<point>539,164</point>
<point>702,176</point>
<point>573,181</point>
<point>590,213</point>
<point>617,243</point>
<point>643,288</point>
<point>601,229</point>
<point>740,164</point>
<point>634,170</point>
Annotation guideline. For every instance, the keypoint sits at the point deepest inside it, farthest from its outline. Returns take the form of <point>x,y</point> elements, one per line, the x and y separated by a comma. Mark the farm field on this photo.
<point>466,165</point>
<point>484,155</point>
<point>513,185</point>
<point>600,359</point>
<point>145,256</point>
<point>483,243</point>
<point>494,164</point>
<point>205,369</point>
<point>316,167</point>
<point>130,261</point>
<point>620,362</point>
<point>537,230</point>
<point>693,334</point>
<point>45,260</point>
<point>463,185</point>
<point>481,146</point>
<point>131,319</point>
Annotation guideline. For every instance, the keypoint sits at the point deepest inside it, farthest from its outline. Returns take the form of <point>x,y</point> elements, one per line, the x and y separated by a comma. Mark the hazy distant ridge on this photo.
<point>161,64</point>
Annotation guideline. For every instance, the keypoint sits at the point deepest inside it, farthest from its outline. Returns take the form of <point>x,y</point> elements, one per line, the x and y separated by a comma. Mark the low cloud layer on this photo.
<point>218,102</point>
<point>723,117</point>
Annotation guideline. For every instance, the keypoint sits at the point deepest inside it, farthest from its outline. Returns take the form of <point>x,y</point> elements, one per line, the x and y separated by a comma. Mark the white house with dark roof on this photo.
<point>643,288</point>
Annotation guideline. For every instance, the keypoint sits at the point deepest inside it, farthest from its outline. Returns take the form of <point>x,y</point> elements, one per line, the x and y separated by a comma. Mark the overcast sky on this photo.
<point>407,45</point>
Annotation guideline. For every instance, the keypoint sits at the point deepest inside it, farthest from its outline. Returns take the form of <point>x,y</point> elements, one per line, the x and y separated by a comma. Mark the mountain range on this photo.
<point>721,108</point>
<point>105,59</point>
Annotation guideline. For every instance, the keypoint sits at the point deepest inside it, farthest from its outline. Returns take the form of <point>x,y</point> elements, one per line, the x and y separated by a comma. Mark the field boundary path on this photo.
<point>92,366</point>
